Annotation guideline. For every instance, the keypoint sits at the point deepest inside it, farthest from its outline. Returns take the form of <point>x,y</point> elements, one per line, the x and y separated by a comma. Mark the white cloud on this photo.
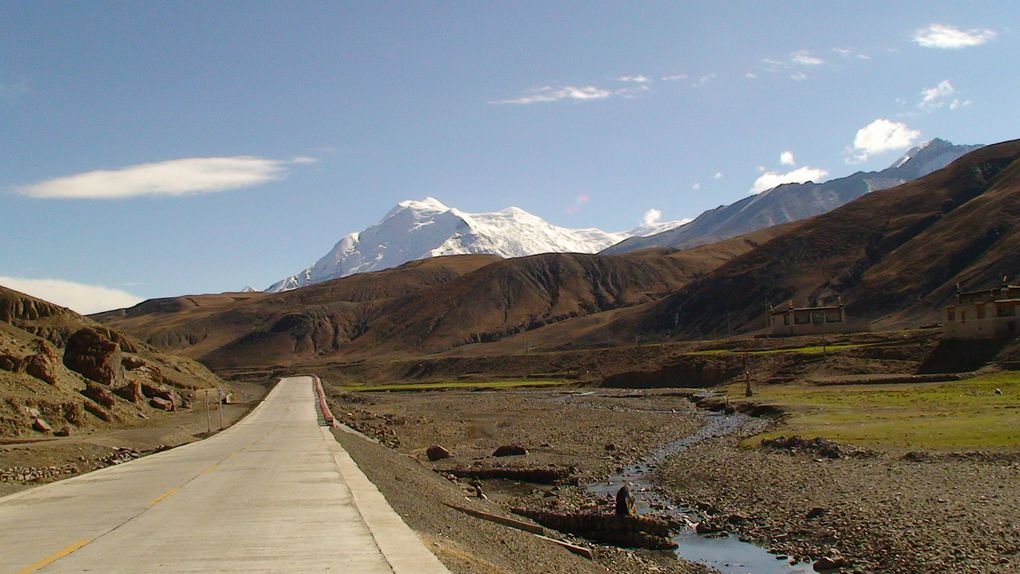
<point>718,175</point>
<point>798,76</point>
<point>547,94</point>
<point>674,77</point>
<point>652,216</point>
<point>704,80</point>
<point>957,104</point>
<point>638,79</point>
<point>174,177</point>
<point>696,186</point>
<point>935,97</point>
<point>78,297</point>
<point>786,158</point>
<point>751,76</point>
<point>880,136</point>
<point>771,179</point>
<point>804,58</point>
<point>951,38</point>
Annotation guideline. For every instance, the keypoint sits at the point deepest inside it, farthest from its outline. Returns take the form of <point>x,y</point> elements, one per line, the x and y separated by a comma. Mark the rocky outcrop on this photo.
<point>94,356</point>
<point>99,394</point>
<point>42,368</point>
<point>131,392</point>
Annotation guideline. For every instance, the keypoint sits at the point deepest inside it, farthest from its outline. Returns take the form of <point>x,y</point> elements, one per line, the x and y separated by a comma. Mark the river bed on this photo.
<point>728,553</point>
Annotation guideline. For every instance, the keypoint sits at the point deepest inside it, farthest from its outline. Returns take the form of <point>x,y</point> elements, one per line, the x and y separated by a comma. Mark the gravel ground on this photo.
<point>468,545</point>
<point>595,434</point>
<point>883,512</point>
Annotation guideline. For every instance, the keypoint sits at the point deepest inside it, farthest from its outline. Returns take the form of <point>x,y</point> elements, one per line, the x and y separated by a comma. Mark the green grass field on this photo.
<point>445,385</point>
<point>809,350</point>
<point>964,414</point>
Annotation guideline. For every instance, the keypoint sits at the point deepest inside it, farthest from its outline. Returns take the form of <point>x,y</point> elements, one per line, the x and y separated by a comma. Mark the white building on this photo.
<point>984,314</point>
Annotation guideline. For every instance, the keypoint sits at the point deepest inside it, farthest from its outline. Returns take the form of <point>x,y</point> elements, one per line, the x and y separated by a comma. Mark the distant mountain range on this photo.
<point>416,230</point>
<point>796,201</point>
<point>894,257</point>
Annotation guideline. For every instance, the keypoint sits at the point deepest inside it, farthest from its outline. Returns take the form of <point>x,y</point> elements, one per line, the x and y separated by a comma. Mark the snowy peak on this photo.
<point>928,157</point>
<point>416,229</point>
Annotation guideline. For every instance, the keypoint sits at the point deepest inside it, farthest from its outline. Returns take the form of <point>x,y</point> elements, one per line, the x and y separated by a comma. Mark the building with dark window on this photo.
<point>790,320</point>
<point>984,314</point>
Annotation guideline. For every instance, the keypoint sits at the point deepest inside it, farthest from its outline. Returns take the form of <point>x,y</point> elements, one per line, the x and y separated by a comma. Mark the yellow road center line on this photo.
<point>162,497</point>
<point>210,469</point>
<point>54,557</point>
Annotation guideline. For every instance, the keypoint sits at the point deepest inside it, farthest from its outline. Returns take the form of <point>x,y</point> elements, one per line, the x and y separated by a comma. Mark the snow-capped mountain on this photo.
<point>420,229</point>
<point>795,201</point>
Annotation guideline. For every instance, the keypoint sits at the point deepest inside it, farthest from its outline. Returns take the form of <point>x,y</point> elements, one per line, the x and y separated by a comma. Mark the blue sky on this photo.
<point>158,149</point>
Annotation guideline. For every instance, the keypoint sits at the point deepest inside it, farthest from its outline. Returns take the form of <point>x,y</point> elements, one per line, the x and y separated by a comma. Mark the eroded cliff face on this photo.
<point>61,373</point>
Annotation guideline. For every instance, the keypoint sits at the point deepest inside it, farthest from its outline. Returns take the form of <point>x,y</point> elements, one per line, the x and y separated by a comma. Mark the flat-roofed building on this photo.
<point>790,320</point>
<point>984,314</point>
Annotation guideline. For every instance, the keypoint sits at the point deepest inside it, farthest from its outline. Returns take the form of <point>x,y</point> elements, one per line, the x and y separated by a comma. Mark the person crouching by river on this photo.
<point>625,503</point>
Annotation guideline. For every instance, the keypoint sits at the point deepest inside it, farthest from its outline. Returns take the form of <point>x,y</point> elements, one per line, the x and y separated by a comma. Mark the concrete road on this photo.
<point>274,493</point>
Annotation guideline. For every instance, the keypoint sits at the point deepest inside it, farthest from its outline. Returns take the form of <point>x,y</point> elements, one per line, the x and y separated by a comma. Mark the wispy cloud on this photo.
<point>174,178</point>
<point>880,136</point>
<point>805,58</point>
<point>798,76</point>
<point>947,37</point>
<point>751,76</point>
<point>673,77</point>
<point>696,186</point>
<point>637,79</point>
<point>79,297</point>
<point>941,95</point>
<point>547,94</point>
<point>704,80</point>
<point>771,179</point>
<point>718,175</point>
<point>795,60</point>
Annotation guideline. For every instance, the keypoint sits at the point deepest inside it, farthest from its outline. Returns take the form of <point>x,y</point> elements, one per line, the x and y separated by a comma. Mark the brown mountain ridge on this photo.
<point>893,256</point>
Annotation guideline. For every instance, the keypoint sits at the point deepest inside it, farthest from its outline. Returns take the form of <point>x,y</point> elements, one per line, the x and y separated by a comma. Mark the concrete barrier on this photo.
<point>326,413</point>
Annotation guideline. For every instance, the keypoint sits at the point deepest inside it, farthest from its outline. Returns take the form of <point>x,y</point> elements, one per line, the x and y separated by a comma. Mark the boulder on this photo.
<point>93,356</point>
<point>99,394</point>
<point>41,367</point>
<point>98,412</point>
<point>437,452</point>
<point>161,403</point>
<point>41,425</point>
<point>9,363</point>
<point>827,563</point>
<point>131,392</point>
<point>161,392</point>
<point>510,450</point>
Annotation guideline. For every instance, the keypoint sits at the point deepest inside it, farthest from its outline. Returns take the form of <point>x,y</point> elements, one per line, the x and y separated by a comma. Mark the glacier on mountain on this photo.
<point>421,229</point>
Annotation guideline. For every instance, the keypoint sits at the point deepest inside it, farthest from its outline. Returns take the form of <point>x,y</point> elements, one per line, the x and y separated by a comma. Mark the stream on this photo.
<point>728,554</point>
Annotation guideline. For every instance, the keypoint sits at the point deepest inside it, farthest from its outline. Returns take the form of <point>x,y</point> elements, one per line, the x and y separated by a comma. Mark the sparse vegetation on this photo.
<point>446,385</point>
<point>966,414</point>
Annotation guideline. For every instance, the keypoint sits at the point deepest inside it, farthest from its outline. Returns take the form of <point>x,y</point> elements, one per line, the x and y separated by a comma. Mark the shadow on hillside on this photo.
<point>951,356</point>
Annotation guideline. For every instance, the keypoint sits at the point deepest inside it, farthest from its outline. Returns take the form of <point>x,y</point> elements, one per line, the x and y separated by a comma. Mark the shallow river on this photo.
<point>727,554</point>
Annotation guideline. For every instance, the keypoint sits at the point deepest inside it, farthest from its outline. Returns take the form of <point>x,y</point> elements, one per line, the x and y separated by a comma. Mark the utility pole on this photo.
<point>219,406</point>
<point>208,416</point>
<point>747,379</point>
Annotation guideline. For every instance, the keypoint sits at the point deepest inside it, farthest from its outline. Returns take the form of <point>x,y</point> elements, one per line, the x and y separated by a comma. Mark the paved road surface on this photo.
<point>274,493</point>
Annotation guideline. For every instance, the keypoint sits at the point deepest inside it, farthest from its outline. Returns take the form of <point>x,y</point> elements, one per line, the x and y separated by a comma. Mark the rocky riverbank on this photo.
<point>868,511</point>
